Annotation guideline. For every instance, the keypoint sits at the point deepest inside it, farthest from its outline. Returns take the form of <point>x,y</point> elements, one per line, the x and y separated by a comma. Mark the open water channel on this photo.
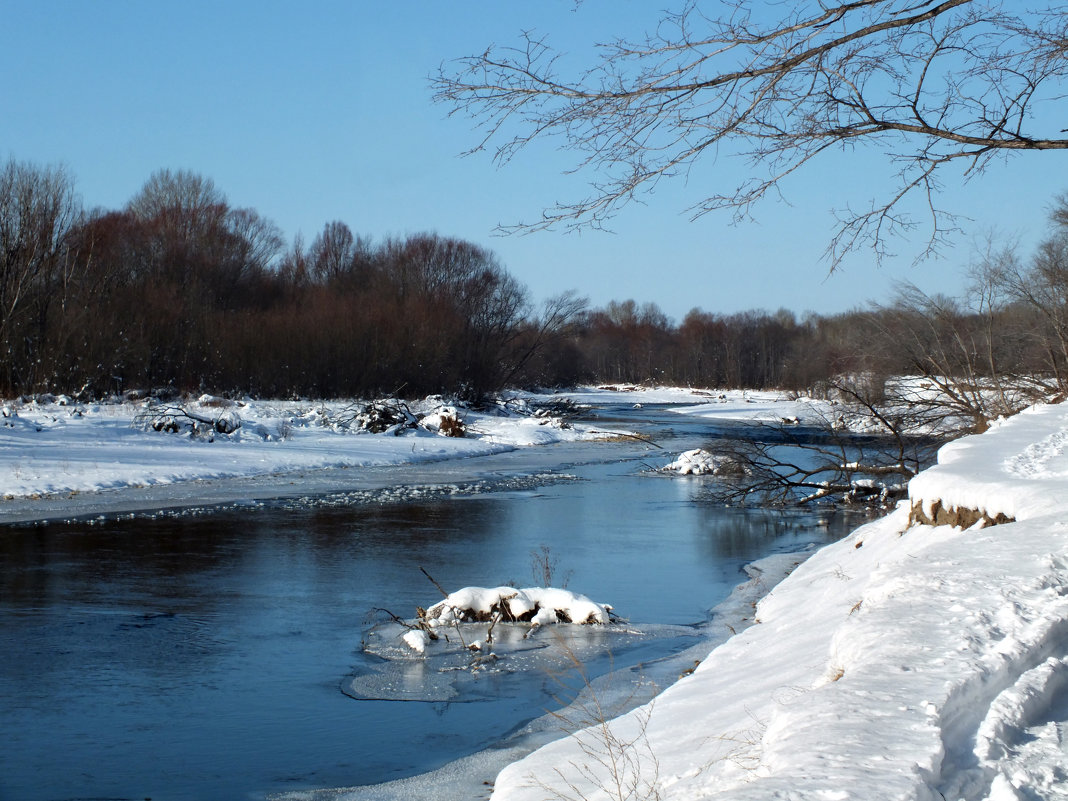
<point>213,653</point>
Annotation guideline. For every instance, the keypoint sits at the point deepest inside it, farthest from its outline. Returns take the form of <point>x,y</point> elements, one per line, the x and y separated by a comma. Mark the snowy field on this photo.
<point>735,405</point>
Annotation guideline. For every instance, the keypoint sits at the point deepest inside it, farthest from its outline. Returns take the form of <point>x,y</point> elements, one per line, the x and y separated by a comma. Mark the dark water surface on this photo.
<point>204,656</point>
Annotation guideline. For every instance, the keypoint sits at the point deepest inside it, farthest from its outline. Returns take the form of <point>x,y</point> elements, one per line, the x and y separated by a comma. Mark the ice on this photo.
<point>905,661</point>
<point>68,450</point>
<point>624,686</point>
<point>448,669</point>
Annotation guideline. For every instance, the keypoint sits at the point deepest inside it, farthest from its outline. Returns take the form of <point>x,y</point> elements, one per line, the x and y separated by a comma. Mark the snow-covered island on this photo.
<point>907,661</point>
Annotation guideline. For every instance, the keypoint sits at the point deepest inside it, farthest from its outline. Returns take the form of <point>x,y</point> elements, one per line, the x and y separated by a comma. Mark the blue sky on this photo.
<point>322,111</point>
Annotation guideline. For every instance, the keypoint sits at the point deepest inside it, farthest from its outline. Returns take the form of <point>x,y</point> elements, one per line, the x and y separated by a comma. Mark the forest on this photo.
<point>179,290</point>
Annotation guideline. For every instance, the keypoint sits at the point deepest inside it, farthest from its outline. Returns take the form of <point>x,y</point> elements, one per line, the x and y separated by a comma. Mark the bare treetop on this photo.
<point>926,83</point>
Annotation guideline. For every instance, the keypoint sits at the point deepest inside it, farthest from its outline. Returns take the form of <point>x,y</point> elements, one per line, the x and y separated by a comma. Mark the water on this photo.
<point>212,655</point>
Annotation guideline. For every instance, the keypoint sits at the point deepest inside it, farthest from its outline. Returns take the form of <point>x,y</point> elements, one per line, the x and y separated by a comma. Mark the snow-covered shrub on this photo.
<point>214,402</point>
<point>384,416</point>
<point>445,421</point>
<point>537,605</point>
<point>227,423</point>
<point>700,462</point>
<point>452,426</point>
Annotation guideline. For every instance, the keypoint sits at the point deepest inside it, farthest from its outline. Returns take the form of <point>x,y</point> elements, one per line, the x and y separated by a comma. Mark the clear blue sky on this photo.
<point>312,112</point>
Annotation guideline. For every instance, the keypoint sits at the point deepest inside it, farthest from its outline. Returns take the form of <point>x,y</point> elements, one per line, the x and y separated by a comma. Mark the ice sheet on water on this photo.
<point>450,671</point>
<point>406,493</point>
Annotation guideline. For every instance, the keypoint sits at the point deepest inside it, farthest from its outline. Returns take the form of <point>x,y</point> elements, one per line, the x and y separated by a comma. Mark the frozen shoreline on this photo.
<point>63,460</point>
<point>467,778</point>
<point>905,661</point>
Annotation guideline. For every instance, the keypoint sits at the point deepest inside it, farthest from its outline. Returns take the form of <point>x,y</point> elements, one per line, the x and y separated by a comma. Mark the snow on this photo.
<point>1018,468</point>
<point>700,462</point>
<point>62,448</point>
<point>416,640</point>
<point>906,661</point>
<point>770,406</point>
<point>58,447</point>
<point>466,778</point>
<point>544,605</point>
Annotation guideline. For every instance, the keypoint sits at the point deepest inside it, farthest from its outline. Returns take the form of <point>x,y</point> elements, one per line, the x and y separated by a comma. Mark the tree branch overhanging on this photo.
<point>928,84</point>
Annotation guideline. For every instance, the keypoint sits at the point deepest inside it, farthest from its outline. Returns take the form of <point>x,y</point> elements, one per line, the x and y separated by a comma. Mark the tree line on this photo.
<point>179,289</point>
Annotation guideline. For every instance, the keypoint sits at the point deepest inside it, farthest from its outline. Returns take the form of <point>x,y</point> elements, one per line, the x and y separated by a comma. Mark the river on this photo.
<point>211,653</point>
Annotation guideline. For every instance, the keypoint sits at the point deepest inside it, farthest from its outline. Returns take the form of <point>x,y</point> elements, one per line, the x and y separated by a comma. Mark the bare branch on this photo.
<point>928,84</point>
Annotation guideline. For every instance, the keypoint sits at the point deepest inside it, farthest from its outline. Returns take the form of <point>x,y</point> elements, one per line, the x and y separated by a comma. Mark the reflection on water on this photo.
<point>209,656</point>
<point>737,534</point>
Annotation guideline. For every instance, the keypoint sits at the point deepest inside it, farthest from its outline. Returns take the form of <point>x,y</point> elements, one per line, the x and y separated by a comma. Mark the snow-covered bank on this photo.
<point>905,662</point>
<point>59,447</point>
<point>1018,469</point>
<point>770,406</point>
<point>62,447</point>
<point>61,459</point>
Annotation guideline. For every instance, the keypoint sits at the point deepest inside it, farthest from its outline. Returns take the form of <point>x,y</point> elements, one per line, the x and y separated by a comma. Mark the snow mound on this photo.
<point>537,605</point>
<point>416,640</point>
<point>700,462</point>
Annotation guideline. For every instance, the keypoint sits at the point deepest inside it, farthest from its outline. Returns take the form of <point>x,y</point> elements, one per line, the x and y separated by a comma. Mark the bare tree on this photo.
<point>332,251</point>
<point>1041,286</point>
<point>185,203</point>
<point>545,339</point>
<point>38,210</point>
<point>258,242</point>
<point>829,462</point>
<point>927,83</point>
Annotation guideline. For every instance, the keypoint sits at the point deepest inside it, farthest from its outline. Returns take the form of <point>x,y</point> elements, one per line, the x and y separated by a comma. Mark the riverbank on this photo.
<point>58,447</point>
<point>60,459</point>
<point>906,661</point>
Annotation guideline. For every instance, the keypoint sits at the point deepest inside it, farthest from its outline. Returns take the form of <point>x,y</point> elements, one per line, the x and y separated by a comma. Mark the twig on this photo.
<point>432,581</point>
<point>446,596</point>
<point>395,619</point>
